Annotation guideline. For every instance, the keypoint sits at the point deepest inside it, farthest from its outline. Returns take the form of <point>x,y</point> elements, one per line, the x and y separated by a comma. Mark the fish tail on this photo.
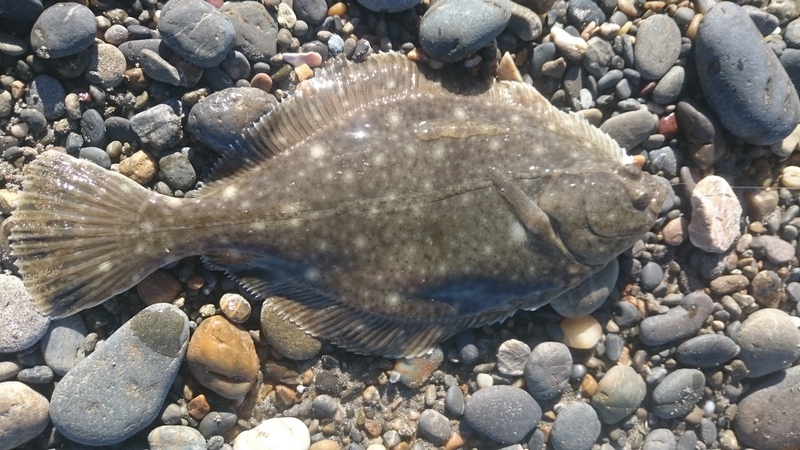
<point>74,233</point>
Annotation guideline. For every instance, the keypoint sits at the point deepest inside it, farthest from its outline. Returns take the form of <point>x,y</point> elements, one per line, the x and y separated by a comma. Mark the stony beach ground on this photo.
<point>689,341</point>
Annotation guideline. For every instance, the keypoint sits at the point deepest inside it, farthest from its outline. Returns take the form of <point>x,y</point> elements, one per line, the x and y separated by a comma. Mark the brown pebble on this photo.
<point>195,282</point>
<point>675,231</point>
<point>139,167</point>
<point>581,332</point>
<point>325,444</point>
<point>262,81</point>
<point>222,357</point>
<point>668,125</point>
<point>285,394</point>
<point>235,307</point>
<point>456,441</point>
<point>159,287</point>
<point>373,427</point>
<point>198,407</point>
<point>303,72</point>
<point>728,284</point>
<point>337,9</point>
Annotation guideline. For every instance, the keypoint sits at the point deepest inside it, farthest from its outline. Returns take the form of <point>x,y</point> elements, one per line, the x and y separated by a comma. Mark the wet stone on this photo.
<point>46,95</point>
<point>22,325</point>
<point>511,357</point>
<point>678,393</point>
<point>63,29</point>
<point>708,350</point>
<point>389,6</point>
<point>769,341</point>
<point>481,21</point>
<point>414,372</point>
<point>324,406</point>
<point>716,212</point>
<point>679,322</point>
<point>626,314</point>
<point>502,413</point>
<point>658,44</point>
<point>754,98</point>
<point>94,405</point>
<point>256,30</point>
<point>434,427</point>
<point>175,436</point>
<point>62,345</point>
<point>766,416</point>
<point>93,128</point>
<point>197,31</point>
<point>651,276</point>
<point>20,10</point>
<point>618,394</point>
<point>547,370</point>
<point>159,287</point>
<point>576,426</point>
<point>23,414</point>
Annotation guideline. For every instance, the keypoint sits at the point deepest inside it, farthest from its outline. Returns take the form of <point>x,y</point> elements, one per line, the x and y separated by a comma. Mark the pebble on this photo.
<point>658,44</point>
<point>660,439</point>
<point>767,416</point>
<point>177,171</point>
<point>168,437</point>
<point>678,322</point>
<point>480,22</point>
<point>524,23</point>
<point>572,47</point>
<point>286,338</point>
<point>651,276</point>
<point>256,30</point>
<point>235,307</point>
<point>106,66</point>
<point>581,332</point>
<point>96,155</point>
<point>6,104</point>
<point>311,11</point>
<point>216,423</point>
<point>22,325</point>
<point>47,95</point>
<point>222,357</point>
<point>670,86</point>
<point>454,401</point>
<point>511,357</point>
<point>62,344</point>
<point>774,248</point>
<point>414,372</point>
<point>158,287</point>
<point>116,34</point>
<point>158,127</point>
<point>63,29</point>
<point>93,128</point>
<point>218,119</point>
<point>576,426</point>
<point>505,414</point>
<point>8,370</point>
<point>159,68</point>
<point>94,403</point>
<point>766,288</point>
<point>23,414</point>
<point>588,296</point>
<point>35,120</point>
<point>582,12</point>
<point>753,97</point>
<point>716,213</point>
<point>35,375</point>
<point>434,427</point>
<point>389,6</point>
<point>618,394</point>
<point>769,341</point>
<point>678,393</point>
<point>281,433</point>
<point>197,31</point>
<point>547,370</point>
<point>728,284</point>
<point>324,406</point>
<point>21,10</point>
<point>704,140</point>
<point>708,350</point>
<point>676,231</point>
<point>631,128</point>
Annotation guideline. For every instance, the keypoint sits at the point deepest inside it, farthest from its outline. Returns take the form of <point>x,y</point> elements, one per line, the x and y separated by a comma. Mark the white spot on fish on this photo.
<point>105,267</point>
<point>229,191</point>
<point>317,151</point>
<point>459,113</point>
<point>312,274</point>
<point>394,118</point>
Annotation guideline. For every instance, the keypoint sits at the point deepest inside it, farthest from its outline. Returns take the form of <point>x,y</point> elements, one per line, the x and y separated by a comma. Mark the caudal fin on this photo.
<point>74,232</point>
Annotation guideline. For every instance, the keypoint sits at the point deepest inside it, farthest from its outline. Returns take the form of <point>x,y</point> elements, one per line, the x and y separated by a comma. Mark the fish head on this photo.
<point>600,213</point>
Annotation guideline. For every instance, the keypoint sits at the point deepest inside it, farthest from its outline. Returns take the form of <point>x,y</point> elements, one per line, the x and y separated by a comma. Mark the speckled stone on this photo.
<point>576,426</point>
<point>23,414</point>
<point>658,44</point>
<point>22,325</point>
<point>62,345</point>
<point>63,29</point>
<point>502,413</point>
<point>282,433</point>
<point>547,370</point>
<point>197,31</point>
<point>106,66</point>
<point>677,393</point>
<point>769,341</point>
<point>47,95</point>
<point>256,30</point>
<point>286,338</point>
<point>480,22</point>
<point>716,212</point>
<point>94,403</point>
<point>767,416</point>
<point>219,119</point>
<point>618,394</point>
<point>168,437</point>
<point>158,127</point>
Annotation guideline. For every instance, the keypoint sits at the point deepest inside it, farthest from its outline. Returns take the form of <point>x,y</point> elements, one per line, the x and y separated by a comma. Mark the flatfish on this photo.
<point>385,207</point>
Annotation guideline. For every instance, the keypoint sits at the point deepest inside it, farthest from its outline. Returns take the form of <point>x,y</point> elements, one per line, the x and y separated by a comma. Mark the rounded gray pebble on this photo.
<point>47,95</point>
<point>159,68</point>
<point>598,55</point>
<point>631,128</point>
<point>119,129</point>
<point>22,325</point>
<point>36,375</point>
<point>434,427</point>
<point>93,128</point>
<point>63,29</point>
<point>168,437</point>
<point>678,393</point>
<point>659,439</point>
<point>158,127</point>
<point>196,31</point>
<point>256,30</point>
<point>511,357</point>
<point>679,322</point>
<point>585,298</point>
<point>311,11</point>
<point>708,350</point>
<point>774,248</point>
<point>8,370</point>
<point>769,341</point>
<point>576,426</point>
<point>547,370</point>
<point>94,403</point>
<point>324,406</point>
<point>96,155</point>
<point>670,86</point>
<point>215,423</point>
<point>106,66</point>
<point>177,171</point>
<point>479,21</point>
<point>753,97</point>
<point>389,6</point>
<point>218,119</point>
<point>35,120</point>
<point>658,44</point>
<point>502,413</point>
<point>454,401</point>
<point>651,276</point>
<point>618,394</point>
<point>62,345</point>
<point>626,314</point>
<point>767,416</point>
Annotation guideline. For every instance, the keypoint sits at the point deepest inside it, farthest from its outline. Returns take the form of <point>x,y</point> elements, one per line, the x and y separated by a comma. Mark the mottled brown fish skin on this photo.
<point>387,216</point>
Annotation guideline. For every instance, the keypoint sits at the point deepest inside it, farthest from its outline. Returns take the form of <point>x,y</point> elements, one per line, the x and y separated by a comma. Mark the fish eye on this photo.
<point>640,199</point>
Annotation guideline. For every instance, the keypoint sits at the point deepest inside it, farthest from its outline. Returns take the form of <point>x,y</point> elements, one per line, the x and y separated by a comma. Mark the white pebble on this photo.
<point>581,332</point>
<point>284,433</point>
<point>716,213</point>
<point>484,380</point>
<point>19,130</point>
<point>572,47</point>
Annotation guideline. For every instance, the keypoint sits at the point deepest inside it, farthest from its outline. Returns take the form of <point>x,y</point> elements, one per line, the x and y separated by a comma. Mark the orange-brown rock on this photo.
<point>198,407</point>
<point>222,357</point>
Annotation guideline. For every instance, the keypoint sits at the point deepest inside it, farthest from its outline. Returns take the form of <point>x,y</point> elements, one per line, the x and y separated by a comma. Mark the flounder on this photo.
<point>385,207</point>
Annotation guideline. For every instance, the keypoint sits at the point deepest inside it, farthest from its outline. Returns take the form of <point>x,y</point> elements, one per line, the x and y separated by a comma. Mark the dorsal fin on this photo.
<point>346,88</point>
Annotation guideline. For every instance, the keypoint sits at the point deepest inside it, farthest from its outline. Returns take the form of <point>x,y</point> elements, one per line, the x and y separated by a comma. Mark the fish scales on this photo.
<point>384,207</point>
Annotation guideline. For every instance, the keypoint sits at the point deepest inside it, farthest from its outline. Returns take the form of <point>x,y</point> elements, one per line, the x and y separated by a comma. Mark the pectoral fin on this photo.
<point>533,219</point>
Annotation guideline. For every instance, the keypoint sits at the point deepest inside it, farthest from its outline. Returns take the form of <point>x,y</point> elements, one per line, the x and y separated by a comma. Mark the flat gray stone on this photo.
<point>62,345</point>
<point>767,416</point>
